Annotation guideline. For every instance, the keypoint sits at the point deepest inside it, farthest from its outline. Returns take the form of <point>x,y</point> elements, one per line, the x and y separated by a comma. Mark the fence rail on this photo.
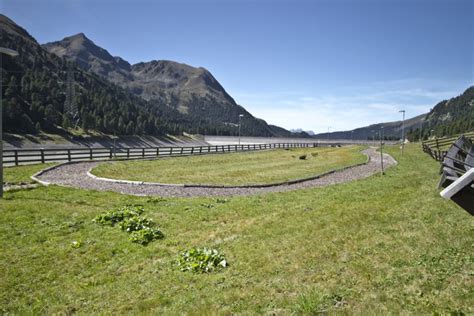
<point>43,155</point>
<point>438,147</point>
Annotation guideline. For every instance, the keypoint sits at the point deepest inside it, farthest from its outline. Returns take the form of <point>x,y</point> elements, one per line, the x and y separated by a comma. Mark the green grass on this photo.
<point>378,245</point>
<point>21,174</point>
<point>236,168</point>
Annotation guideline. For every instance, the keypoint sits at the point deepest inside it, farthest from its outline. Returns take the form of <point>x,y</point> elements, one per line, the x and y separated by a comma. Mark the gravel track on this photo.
<point>76,175</point>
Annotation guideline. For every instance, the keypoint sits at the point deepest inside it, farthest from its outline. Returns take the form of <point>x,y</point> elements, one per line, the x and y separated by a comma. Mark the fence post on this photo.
<point>42,155</point>
<point>69,154</point>
<point>128,152</point>
<point>90,153</point>
<point>143,152</point>
<point>192,150</point>
<point>16,157</point>
<point>181,151</point>
<point>157,151</point>
<point>110,153</point>
<point>200,149</point>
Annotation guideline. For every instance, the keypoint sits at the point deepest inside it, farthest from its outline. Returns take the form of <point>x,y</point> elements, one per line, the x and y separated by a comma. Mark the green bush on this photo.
<point>303,157</point>
<point>201,260</point>
<point>145,235</point>
<point>142,230</point>
<point>115,216</point>
<point>135,223</point>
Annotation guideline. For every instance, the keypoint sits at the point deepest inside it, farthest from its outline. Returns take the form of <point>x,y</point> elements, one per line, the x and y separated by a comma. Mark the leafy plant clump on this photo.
<point>202,260</point>
<point>115,216</point>
<point>135,223</point>
<point>145,235</point>
<point>303,157</point>
<point>142,230</point>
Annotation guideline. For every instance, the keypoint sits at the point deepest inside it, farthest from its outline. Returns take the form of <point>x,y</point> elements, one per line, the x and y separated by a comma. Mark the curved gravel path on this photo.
<point>76,175</point>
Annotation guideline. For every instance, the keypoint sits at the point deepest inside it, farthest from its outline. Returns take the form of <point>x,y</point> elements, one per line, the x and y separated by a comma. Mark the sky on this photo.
<point>317,65</point>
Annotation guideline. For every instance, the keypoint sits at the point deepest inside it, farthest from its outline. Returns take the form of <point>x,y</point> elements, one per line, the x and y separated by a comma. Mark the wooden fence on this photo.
<point>41,155</point>
<point>438,147</point>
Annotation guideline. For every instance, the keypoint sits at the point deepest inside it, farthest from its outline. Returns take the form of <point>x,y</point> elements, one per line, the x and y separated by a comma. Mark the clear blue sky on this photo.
<point>310,64</point>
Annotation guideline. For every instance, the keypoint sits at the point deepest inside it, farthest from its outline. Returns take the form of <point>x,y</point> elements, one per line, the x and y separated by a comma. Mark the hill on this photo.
<point>193,91</point>
<point>392,130</point>
<point>38,85</point>
<point>448,117</point>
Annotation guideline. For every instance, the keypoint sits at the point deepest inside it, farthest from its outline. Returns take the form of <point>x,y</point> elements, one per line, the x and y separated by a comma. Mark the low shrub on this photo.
<point>145,235</point>
<point>201,260</point>
<point>115,216</point>
<point>135,223</point>
<point>142,230</point>
<point>303,157</point>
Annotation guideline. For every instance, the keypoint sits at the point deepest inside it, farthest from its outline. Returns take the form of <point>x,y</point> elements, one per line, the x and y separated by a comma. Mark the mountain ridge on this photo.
<point>36,88</point>
<point>190,90</point>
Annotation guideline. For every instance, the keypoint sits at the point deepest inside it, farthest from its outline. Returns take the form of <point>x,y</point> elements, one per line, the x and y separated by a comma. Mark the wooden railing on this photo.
<point>438,147</point>
<point>43,155</point>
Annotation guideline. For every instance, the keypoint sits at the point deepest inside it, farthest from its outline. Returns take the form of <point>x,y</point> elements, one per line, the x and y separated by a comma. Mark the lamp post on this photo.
<point>381,148</point>
<point>421,129</point>
<point>403,130</point>
<point>240,123</point>
<point>11,53</point>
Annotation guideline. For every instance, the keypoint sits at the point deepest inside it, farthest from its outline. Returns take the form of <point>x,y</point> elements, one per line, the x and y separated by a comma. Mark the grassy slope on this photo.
<point>22,174</point>
<point>378,244</point>
<point>237,168</point>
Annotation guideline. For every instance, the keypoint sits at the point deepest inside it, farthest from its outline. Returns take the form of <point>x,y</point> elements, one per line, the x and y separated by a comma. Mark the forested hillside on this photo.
<point>36,87</point>
<point>450,117</point>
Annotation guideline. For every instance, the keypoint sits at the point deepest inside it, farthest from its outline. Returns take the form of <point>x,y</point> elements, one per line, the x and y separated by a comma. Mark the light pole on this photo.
<point>12,53</point>
<point>403,130</point>
<point>421,129</point>
<point>381,148</point>
<point>240,123</point>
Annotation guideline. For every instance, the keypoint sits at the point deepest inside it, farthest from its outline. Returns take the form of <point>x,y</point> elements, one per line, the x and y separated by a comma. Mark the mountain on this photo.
<point>448,117</point>
<point>35,93</point>
<point>451,117</point>
<point>193,91</point>
<point>106,94</point>
<point>391,130</point>
<point>300,130</point>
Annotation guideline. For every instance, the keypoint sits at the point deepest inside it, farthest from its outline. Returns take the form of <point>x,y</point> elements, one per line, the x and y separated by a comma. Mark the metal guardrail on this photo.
<point>438,147</point>
<point>42,155</point>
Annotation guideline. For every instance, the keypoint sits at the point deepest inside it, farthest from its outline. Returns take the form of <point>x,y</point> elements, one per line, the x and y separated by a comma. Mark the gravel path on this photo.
<point>75,175</point>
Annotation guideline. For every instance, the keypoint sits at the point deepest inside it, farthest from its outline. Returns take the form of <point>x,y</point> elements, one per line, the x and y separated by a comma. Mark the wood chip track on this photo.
<point>76,175</point>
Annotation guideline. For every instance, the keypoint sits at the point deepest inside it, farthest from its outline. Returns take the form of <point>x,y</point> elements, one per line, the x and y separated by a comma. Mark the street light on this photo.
<point>381,148</point>
<point>421,129</point>
<point>240,121</point>
<point>11,53</point>
<point>403,129</point>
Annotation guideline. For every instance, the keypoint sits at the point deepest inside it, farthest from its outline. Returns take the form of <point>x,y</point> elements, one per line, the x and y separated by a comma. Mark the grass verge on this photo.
<point>22,174</point>
<point>236,168</point>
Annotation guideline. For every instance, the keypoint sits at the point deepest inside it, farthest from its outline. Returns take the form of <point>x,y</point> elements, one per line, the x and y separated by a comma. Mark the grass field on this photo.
<point>236,168</point>
<point>16,175</point>
<point>378,245</point>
